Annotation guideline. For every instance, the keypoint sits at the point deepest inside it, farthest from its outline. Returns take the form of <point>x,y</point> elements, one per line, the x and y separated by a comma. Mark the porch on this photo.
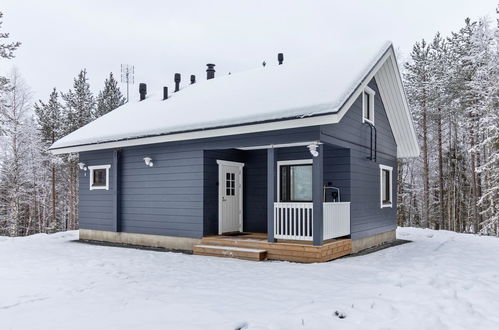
<point>291,201</point>
<point>255,246</point>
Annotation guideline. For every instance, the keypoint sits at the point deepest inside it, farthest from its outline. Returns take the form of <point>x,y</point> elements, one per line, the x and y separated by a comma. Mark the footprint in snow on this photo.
<point>340,315</point>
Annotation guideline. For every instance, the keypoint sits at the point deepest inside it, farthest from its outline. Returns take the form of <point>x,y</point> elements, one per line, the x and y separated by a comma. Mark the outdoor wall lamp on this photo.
<point>313,149</point>
<point>82,166</point>
<point>148,161</point>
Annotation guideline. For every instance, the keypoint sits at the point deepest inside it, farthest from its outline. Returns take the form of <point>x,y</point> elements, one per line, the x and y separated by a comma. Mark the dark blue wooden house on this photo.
<point>292,162</point>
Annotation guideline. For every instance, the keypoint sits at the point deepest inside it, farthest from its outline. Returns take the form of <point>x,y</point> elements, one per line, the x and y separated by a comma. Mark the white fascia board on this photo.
<point>243,129</point>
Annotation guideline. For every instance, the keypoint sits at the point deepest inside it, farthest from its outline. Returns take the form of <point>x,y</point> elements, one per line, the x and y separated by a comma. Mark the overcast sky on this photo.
<point>162,37</point>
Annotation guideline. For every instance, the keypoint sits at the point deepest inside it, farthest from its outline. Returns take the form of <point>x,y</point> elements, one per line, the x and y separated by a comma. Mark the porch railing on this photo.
<point>336,219</point>
<point>293,221</point>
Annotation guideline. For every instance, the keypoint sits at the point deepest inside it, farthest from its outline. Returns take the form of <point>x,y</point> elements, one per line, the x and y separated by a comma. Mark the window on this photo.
<point>99,177</point>
<point>368,105</point>
<point>230,184</point>
<point>295,181</point>
<point>385,173</point>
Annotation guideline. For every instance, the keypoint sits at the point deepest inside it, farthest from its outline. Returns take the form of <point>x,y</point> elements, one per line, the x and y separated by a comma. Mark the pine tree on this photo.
<point>77,111</point>
<point>418,89</point>
<point>79,103</point>
<point>50,124</point>
<point>6,50</point>
<point>109,98</point>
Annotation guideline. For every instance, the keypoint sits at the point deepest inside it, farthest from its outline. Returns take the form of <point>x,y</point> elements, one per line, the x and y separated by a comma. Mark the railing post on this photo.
<point>271,183</point>
<point>317,196</point>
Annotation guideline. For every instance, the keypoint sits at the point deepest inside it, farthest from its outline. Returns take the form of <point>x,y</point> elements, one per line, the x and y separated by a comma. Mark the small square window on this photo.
<point>99,177</point>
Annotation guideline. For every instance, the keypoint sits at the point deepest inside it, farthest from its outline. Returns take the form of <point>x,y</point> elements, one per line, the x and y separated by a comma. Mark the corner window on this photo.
<point>368,105</point>
<point>295,181</point>
<point>385,173</point>
<point>99,177</point>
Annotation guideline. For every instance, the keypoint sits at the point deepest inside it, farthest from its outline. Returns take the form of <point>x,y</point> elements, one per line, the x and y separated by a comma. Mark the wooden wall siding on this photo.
<point>168,199</point>
<point>255,191</point>
<point>367,218</point>
<point>337,171</point>
<point>96,206</point>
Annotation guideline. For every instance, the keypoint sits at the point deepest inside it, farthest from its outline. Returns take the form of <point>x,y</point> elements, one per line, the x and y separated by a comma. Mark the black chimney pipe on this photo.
<point>142,91</point>
<point>210,72</point>
<point>177,82</point>
<point>165,93</point>
<point>193,79</point>
<point>280,58</point>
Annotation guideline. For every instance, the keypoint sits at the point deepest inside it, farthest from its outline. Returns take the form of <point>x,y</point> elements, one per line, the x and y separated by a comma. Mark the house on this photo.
<point>292,162</point>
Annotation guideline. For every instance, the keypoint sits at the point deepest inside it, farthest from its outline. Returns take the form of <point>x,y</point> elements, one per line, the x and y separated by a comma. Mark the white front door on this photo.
<point>230,196</point>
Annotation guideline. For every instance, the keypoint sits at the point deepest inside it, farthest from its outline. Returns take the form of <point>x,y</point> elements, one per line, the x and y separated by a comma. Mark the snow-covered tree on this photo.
<point>50,123</point>
<point>452,90</point>
<point>79,103</point>
<point>6,50</point>
<point>14,182</point>
<point>109,98</point>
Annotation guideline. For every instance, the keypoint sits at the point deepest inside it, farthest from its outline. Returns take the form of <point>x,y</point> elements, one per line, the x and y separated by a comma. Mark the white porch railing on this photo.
<point>294,220</point>
<point>336,219</point>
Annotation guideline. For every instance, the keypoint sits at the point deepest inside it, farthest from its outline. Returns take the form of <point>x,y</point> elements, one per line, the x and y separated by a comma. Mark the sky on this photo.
<point>159,38</point>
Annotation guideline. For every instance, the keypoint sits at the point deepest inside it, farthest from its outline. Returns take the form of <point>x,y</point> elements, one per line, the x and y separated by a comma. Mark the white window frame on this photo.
<point>99,167</point>
<point>371,93</point>
<point>288,162</point>
<point>381,185</point>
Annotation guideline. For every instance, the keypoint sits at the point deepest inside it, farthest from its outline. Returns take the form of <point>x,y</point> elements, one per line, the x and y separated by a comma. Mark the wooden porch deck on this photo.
<point>297,251</point>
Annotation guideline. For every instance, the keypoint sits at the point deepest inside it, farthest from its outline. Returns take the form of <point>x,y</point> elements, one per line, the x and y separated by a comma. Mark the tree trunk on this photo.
<point>426,171</point>
<point>440,170</point>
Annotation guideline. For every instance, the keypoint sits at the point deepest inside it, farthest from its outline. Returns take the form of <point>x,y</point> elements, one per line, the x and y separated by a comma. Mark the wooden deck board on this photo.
<point>285,251</point>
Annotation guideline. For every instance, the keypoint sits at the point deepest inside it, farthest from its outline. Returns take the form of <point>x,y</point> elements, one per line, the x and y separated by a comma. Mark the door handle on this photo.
<point>223,199</point>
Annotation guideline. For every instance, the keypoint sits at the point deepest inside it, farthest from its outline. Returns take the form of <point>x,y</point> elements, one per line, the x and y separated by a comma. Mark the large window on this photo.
<point>368,105</point>
<point>99,177</point>
<point>385,173</point>
<point>295,181</point>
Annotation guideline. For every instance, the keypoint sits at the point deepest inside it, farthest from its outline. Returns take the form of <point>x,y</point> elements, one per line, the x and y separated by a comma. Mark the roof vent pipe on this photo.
<point>280,58</point>
<point>165,93</point>
<point>177,82</point>
<point>210,72</point>
<point>142,91</point>
<point>193,79</point>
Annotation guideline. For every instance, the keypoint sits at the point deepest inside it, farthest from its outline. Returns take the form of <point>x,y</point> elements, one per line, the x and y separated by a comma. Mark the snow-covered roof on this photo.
<point>300,93</point>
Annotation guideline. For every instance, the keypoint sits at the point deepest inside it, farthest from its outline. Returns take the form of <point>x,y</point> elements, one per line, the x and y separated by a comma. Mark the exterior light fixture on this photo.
<point>313,149</point>
<point>82,166</point>
<point>148,161</point>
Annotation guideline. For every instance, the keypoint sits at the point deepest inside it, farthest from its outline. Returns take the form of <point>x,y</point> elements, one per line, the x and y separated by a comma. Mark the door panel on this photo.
<point>230,195</point>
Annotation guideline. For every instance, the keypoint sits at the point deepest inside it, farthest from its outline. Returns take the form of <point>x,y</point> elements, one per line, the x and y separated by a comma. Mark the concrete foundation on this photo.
<point>167,242</point>
<point>367,242</point>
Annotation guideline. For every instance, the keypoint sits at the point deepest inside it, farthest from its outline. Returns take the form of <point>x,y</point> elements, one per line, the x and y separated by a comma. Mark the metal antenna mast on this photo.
<point>127,77</point>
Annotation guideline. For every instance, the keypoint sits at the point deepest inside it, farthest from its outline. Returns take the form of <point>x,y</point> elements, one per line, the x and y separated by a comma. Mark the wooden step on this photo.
<point>230,252</point>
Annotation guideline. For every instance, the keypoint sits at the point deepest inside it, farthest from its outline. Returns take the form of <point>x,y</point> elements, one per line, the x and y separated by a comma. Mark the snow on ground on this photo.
<point>442,280</point>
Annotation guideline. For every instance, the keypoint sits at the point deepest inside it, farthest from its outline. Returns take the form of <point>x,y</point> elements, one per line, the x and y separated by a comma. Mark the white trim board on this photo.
<point>390,170</point>
<point>91,179</point>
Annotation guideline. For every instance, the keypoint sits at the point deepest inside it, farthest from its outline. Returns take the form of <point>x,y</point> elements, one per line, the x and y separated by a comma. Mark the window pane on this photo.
<point>99,176</point>
<point>301,183</point>
<point>284,189</point>
<point>386,186</point>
